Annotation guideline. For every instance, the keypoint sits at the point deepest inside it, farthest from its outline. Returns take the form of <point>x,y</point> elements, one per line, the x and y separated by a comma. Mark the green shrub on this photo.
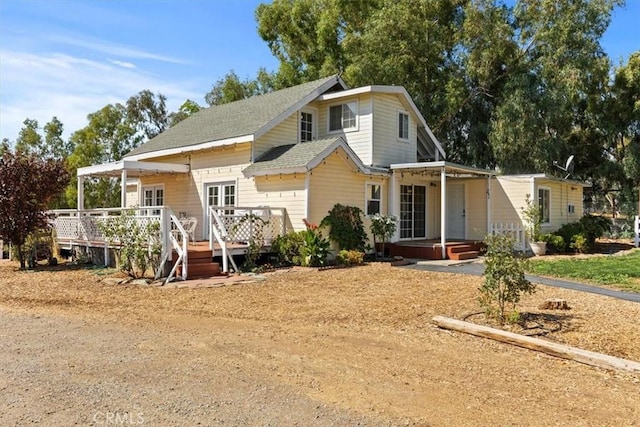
<point>504,280</point>
<point>580,243</point>
<point>581,235</point>
<point>288,247</point>
<point>346,227</point>
<point>555,243</point>
<point>382,227</point>
<point>350,258</point>
<point>315,248</point>
<point>137,244</point>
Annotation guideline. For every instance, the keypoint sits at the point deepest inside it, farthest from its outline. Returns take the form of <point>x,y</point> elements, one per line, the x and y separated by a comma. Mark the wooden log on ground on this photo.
<point>559,350</point>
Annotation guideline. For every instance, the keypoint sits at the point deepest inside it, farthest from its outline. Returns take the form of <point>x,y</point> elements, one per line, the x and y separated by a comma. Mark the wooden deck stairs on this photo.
<point>461,252</point>
<point>200,263</point>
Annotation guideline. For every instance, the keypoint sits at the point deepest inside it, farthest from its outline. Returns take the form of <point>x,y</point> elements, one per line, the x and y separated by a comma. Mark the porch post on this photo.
<point>123,189</point>
<point>443,211</point>
<point>391,207</point>
<point>81,193</point>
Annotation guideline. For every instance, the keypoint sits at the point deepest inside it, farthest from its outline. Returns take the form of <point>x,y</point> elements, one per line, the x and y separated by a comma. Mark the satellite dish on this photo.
<point>568,167</point>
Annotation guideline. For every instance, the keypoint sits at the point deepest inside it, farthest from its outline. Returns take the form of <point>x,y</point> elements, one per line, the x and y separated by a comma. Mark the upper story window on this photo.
<point>403,126</point>
<point>343,116</point>
<point>374,197</point>
<point>544,204</point>
<point>306,126</point>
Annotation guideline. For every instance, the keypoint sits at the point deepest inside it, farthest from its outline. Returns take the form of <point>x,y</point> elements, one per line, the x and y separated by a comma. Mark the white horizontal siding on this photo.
<point>387,148</point>
<point>284,133</point>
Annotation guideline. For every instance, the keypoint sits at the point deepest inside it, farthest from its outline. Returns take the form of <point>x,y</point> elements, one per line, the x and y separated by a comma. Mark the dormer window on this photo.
<point>343,117</point>
<point>306,126</point>
<point>403,126</point>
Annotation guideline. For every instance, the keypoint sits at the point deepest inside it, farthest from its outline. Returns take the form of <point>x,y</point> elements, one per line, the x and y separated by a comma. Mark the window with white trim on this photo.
<point>374,199</point>
<point>343,117</point>
<point>544,204</point>
<point>306,126</point>
<point>403,126</point>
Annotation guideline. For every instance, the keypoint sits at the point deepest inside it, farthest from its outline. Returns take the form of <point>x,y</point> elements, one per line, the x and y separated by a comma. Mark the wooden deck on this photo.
<point>432,249</point>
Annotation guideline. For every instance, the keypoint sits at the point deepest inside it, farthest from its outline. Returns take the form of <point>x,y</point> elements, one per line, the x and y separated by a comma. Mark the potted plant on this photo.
<point>533,219</point>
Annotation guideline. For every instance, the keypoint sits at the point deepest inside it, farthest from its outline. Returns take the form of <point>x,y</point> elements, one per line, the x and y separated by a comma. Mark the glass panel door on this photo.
<point>406,211</point>
<point>419,212</point>
<point>152,196</point>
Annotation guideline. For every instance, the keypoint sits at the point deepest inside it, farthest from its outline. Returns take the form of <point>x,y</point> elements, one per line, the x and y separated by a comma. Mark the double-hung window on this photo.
<point>544,204</point>
<point>374,197</point>
<point>343,117</point>
<point>403,126</point>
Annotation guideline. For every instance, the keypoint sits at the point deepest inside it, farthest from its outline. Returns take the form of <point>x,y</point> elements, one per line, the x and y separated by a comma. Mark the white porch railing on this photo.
<point>81,227</point>
<point>233,224</point>
<point>515,230</point>
<point>636,231</point>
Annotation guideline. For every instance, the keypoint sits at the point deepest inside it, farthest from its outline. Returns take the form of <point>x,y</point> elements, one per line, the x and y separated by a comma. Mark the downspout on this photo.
<point>443,211</point>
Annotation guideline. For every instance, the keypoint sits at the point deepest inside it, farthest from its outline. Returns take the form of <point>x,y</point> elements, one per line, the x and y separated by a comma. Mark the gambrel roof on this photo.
<point>239,121</point>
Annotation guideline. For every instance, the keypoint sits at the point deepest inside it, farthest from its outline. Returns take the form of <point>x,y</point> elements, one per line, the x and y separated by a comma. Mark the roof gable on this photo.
<point>249,117</point>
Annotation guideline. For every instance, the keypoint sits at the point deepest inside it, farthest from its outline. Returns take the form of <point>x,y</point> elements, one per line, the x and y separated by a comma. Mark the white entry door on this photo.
<point>456,212</point>
<point>218,195</point>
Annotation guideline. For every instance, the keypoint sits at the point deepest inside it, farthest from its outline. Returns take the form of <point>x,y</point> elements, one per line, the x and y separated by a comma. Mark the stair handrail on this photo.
<point>181,250</point>
<point>218,231</point>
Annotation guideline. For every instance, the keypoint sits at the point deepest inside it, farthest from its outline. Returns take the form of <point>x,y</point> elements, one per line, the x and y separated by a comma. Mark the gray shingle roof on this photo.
<point>289,157</point>
<point>235,119</point>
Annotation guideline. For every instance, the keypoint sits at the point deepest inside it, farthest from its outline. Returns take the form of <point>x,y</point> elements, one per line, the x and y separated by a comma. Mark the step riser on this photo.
<point>461,248</point>
<point>459,256</point>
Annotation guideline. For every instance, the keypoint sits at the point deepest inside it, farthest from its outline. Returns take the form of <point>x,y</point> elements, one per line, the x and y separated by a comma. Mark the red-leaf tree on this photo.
<point>27,185</point>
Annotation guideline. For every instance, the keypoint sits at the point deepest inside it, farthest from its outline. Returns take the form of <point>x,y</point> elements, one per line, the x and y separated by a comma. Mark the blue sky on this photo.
<point>69,58</point>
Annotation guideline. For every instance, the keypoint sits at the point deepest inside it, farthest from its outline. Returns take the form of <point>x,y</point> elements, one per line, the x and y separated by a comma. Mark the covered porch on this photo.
<point>440,205</point>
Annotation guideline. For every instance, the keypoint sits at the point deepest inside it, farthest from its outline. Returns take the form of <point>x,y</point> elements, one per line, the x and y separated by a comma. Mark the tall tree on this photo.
<point>27,184</point>
<point>230,88</point>
<point>187,109</point>
<point>148,113</point>
<point>29,138</point>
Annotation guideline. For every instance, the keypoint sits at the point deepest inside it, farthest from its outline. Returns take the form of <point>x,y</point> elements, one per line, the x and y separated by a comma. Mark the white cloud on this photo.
<point>40,86</point>
<point>122,64</point>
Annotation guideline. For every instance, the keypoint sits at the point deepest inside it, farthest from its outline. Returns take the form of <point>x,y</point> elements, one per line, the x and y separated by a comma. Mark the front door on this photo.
<point>413,212</point>
<point>153,196</point>
<point>455,211</point>
<point>218,195</point>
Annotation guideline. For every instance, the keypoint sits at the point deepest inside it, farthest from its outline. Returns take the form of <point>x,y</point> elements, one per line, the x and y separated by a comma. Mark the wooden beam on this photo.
<point>559,350</point>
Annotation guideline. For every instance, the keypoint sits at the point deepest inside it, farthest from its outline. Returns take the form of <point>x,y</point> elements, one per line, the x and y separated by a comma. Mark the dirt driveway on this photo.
<point>337,347</point>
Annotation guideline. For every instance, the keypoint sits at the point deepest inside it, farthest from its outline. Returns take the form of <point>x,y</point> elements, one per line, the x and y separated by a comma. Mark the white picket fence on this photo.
<point>515,230</point>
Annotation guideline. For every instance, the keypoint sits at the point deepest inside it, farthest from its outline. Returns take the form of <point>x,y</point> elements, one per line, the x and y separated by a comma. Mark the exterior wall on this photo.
<point>132,198</point>
<point>283,134</point>
<point>335,181</point>
<point>509,195</point>
<point>387,148</point>
<point>359,140</point>
<point>284,191</point>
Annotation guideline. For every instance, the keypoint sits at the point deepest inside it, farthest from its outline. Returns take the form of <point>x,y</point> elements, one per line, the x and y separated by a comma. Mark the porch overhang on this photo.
<point>436,168</point>
<point>444,170</point>
<point>134,169</point>
<point>124,169</point>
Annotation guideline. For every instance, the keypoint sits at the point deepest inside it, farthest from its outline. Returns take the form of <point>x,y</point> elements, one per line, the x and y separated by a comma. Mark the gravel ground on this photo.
<point>337,347</point>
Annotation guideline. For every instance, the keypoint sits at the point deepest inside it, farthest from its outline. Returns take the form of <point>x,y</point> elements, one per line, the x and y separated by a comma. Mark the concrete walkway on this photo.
<point>476,268</point>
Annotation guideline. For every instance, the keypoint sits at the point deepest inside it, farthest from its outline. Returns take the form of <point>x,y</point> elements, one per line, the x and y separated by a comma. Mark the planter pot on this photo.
<point>538,248</point>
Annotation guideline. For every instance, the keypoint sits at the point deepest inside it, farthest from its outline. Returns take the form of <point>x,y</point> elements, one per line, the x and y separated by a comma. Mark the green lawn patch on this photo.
<point>619,271</point>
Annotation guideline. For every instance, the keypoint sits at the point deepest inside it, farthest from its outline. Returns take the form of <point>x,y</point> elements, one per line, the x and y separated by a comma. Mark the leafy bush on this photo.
<point>350,258</point>
<point>382,227</point>
<point>555,243</point>
<point>137,245</point>
<point>581,235</point>
<point>288,247</point>
<point>504,280</point>
<point>315,248</point>
<point>346,227</point>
